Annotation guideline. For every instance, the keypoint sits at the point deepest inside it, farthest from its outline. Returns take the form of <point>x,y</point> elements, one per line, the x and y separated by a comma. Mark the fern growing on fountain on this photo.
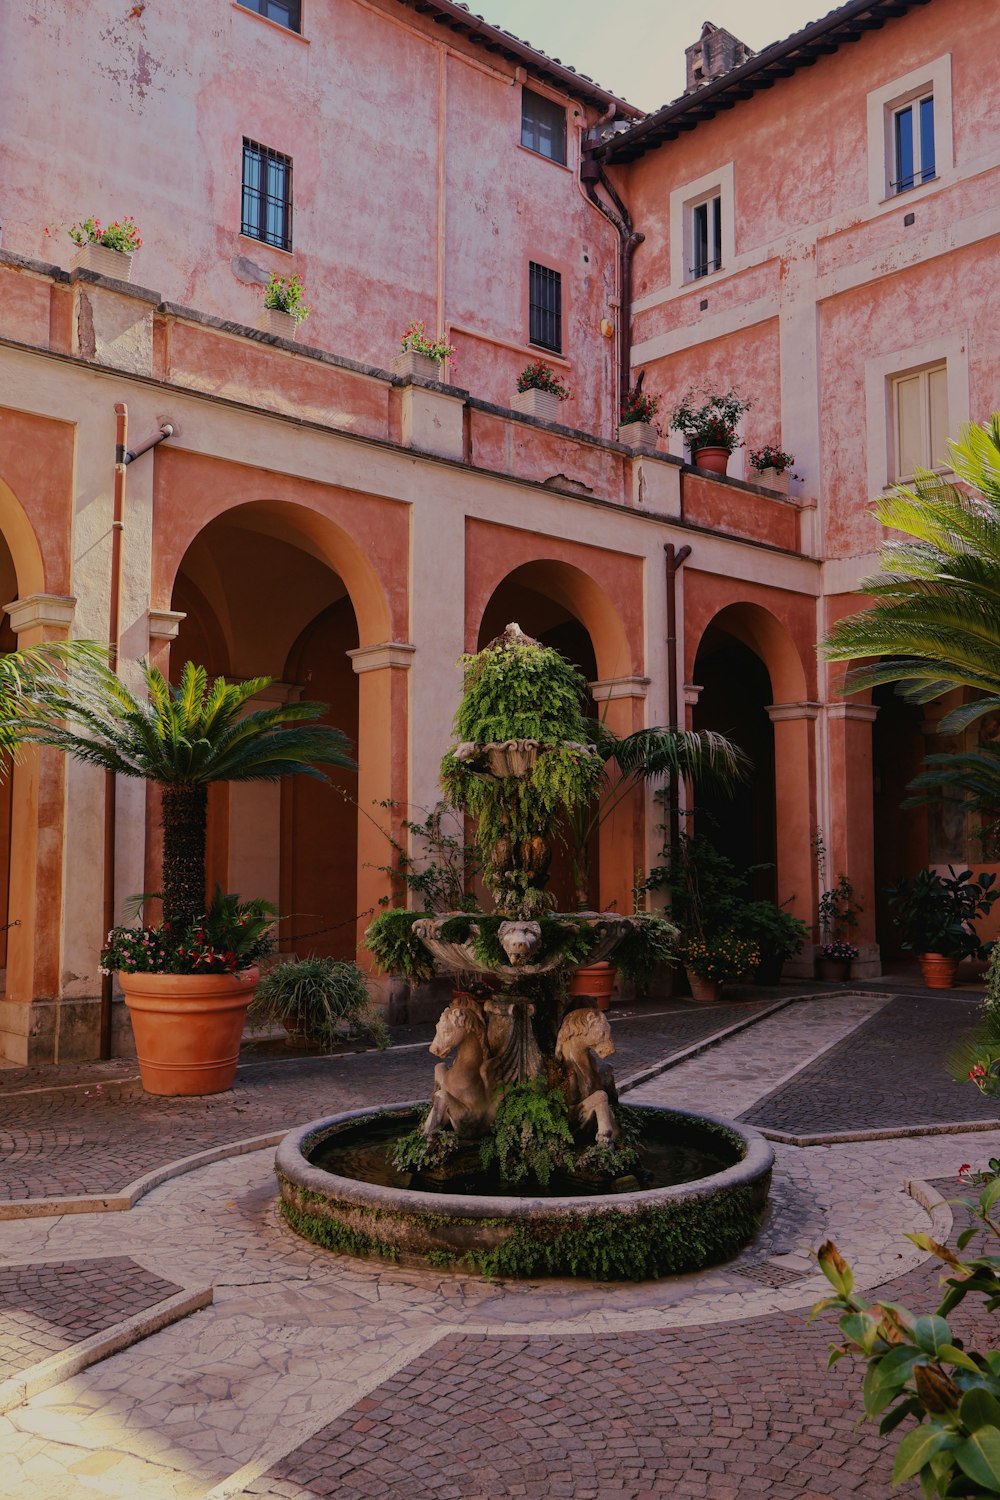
<point>531,1134</point>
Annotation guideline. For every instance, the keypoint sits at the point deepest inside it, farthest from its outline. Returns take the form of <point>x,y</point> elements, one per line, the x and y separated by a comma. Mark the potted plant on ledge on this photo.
<point>419,354</point>
<point>107,251</point>
<point>937,914</point>
<point>636,428</point>
<point>708,421</point>
<point>539,392</point>
<point>182,738</point>
<point>283,306</point>
<point>772,466</point>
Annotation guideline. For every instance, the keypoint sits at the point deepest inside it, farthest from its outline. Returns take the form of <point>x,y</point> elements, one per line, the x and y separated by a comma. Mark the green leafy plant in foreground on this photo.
<point>326,998</point>
<point>918,1368</point>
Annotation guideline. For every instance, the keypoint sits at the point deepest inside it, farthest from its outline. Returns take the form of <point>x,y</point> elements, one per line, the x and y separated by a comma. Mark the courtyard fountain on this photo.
<point>525,1162</point>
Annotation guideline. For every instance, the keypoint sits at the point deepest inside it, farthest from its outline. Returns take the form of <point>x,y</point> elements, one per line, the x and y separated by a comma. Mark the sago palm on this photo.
<point>21,675</point>
<point>935,623</point>
<point>182,738</point>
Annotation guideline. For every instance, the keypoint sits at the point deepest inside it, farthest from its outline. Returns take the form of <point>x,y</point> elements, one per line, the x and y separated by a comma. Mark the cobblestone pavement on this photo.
<point>312,1370</point>
<point>889,1073</point>
<point>104,1132</point>
<point>48,1307</point>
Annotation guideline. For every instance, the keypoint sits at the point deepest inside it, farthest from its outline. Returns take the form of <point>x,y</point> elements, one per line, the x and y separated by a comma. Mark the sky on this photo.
<point>635,48</point>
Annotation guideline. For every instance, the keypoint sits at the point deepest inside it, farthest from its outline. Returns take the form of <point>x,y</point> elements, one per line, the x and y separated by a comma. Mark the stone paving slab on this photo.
<point>887,1074</point>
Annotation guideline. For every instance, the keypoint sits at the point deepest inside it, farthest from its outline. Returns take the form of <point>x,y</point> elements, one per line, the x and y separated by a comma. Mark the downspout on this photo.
<point>591,173</point>
<point>676,558</point>
<point>123,457</point>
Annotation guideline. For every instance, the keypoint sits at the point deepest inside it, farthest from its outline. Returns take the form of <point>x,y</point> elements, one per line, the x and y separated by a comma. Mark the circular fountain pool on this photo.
<point>698,1192</point>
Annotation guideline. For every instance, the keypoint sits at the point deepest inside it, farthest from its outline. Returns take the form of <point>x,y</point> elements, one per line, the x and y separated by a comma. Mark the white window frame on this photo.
<point>952,351</point>
<point>928,458</point>
<point>683,201</point>
<point>883,105</point>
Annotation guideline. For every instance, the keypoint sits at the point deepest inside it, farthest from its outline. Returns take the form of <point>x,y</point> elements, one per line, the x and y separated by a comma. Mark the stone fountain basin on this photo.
<point>624,1236</point>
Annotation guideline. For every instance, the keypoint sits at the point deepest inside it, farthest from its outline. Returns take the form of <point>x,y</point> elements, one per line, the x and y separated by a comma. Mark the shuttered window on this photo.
<point>545,307</point>
<point>920,420</point>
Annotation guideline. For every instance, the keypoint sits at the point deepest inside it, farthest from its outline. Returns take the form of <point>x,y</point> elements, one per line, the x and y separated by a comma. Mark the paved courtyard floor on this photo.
<point>308,1374</point>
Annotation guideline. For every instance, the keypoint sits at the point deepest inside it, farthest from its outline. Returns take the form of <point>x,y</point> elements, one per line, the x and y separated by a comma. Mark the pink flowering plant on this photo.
<point>539,376</point>
<point>286,294</point>
<point>771,457</point>
<point>709,419</point>
<point>840,952</point>
<point>416,339</point>
<point>232,935</point>
<point>638,407</point>
<point>122,234</point>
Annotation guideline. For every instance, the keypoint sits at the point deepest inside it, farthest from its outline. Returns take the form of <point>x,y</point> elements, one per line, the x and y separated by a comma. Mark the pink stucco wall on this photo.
<point>413,197</point>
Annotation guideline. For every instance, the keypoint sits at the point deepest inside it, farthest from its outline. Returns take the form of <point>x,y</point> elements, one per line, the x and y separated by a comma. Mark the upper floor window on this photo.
<point>543,126</point>
<point>544,307</point>
<point>919,420</point>
<point>913,143</point>
<point>267,195</point>
<point>705,234</point>
<point>287,13</point>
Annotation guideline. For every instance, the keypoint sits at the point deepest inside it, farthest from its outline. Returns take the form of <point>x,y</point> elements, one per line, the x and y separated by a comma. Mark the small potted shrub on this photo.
<point>772,466</point>
<point>636,428</point>
<point>539,392</point>
<point>778,935</point>
<point>108,251</point>
<point>419,354</point>
<point>283,306</point>
<point>937,915</point>
<point>838,917</point>
<point>834,959</point>
<point>322,1001</point>
<point>708,421</point>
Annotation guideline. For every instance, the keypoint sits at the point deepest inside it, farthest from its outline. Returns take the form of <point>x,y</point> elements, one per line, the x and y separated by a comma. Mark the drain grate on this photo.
<point>766,1273</point>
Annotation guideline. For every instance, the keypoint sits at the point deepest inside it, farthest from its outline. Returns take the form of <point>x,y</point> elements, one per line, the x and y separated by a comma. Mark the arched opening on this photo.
<point>736,692</point>
<point>901,834</point>
<point>261,598</point>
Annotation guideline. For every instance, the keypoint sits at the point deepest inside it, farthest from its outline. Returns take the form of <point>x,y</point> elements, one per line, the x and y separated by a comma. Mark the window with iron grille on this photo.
<point>286,12</point>
<point>267,195</point>
<point>543,126</point>
<point>544,307</point>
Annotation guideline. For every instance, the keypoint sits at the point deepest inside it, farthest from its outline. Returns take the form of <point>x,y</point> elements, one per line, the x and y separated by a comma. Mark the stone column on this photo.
<point>31,1023</point>
<point>795,807</point>
<point>382,761</point>
<point>621,704</point>
<point>850,840</point>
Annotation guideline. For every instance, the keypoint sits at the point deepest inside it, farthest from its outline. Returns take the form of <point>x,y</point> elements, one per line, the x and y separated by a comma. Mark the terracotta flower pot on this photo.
<point>715,460</point>
<point>187,1028</point>
<point>596,980</point>
<point>705,991</point>
<point>833,970</point>
<point>938,970</point>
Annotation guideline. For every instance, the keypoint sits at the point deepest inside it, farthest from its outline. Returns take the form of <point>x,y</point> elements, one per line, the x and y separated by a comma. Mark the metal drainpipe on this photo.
<point>629,239</point>
<point>123,457</point>
<point>676,558</point>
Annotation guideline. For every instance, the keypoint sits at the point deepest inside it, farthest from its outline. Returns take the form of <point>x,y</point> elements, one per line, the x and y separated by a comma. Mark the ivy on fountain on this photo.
<point>518,690</point>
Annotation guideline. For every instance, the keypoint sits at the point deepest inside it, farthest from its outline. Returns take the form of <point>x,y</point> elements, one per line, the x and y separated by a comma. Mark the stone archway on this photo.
<point>265,591</point>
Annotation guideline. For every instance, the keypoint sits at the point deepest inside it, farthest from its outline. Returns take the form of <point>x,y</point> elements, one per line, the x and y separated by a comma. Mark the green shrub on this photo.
<point>326,998</point>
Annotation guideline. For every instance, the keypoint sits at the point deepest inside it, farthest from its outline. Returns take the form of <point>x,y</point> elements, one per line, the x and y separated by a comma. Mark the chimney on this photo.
<point>715,52</point>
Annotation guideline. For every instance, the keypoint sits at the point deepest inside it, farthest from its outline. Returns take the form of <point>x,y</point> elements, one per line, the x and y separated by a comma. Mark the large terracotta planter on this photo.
<point>715,460</point>
<point>705,991</point>
<point>187,1028</point>
<point>833,970</point>
<point>596,980</point>
<point>938,970</point>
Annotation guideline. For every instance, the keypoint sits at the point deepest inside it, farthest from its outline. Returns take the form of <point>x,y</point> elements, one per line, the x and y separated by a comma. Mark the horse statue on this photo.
<point>584,1038</point>
<point>463,1093</point>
